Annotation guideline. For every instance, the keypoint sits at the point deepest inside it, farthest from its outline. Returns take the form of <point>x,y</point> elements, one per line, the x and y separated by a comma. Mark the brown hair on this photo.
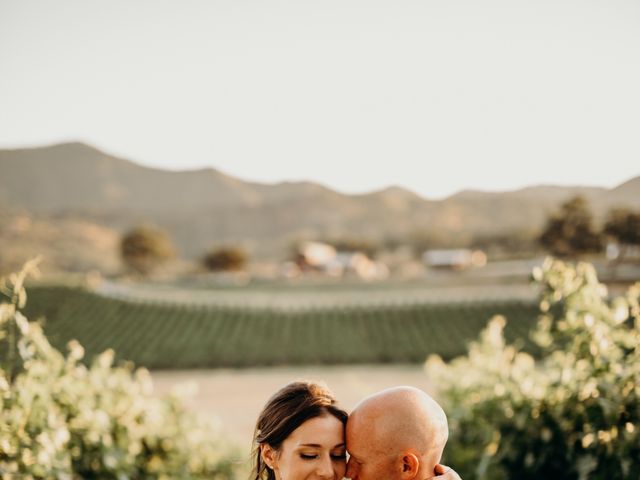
<point>285,411</point>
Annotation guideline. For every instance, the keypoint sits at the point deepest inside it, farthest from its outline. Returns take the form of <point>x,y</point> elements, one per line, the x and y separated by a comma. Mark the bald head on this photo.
<point>399,420</point>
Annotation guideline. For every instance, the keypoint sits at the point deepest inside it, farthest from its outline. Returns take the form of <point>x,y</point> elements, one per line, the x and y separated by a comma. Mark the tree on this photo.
<point>623,226</point>
<point>569,231</point>
<point>145,248</point>
<point>225,259</point>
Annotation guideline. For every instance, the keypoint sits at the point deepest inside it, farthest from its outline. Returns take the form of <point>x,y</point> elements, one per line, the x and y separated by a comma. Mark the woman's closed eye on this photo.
<point>334,456</point>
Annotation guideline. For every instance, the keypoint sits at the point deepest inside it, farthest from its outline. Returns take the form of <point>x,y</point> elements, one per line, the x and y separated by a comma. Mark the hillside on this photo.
<point>200,208</point>
<point>65,243</point>
<point>77,177</point>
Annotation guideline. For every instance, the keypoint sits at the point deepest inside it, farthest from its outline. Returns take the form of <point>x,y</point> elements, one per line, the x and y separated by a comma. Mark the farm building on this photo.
<point>324,258</point>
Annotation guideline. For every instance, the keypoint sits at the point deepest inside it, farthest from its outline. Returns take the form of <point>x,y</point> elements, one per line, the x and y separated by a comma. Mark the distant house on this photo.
<point>324,258</point>
<point>358,264</point>
<point>454,259</point>
<point>315,254</point>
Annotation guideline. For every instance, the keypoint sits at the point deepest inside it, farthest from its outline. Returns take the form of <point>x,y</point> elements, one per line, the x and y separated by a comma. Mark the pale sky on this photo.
<point>433,95</point>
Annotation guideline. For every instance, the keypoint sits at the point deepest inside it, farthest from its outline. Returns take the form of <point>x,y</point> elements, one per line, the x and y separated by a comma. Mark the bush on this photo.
<point>145,248</point>
<point>225,259</point>
<point>63,420</point>
<point>572,414</point>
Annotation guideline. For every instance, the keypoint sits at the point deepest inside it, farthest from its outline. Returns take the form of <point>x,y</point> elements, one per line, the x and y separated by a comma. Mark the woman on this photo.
<point>299,435</point>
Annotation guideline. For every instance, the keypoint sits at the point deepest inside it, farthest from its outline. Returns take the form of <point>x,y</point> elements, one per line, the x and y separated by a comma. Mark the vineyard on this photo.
<point>165,334</point>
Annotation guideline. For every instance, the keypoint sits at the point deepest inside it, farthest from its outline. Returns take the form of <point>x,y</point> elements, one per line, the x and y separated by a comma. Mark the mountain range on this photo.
<point>200,208</point>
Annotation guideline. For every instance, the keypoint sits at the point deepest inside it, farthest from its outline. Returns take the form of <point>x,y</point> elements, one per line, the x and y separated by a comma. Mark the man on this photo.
<point>397,434</point>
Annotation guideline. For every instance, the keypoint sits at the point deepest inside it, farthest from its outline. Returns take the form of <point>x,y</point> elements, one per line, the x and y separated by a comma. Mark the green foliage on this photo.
<point>12,288</point>
<point>145,248</point>
<point>569,232</point>
<point>572,414</point>
<point>63,420</point>
<point>225,259</point>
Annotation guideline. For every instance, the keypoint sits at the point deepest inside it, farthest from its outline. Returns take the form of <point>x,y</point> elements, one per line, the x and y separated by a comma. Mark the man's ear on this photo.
<point>269,455</point>
<point>410,466</point>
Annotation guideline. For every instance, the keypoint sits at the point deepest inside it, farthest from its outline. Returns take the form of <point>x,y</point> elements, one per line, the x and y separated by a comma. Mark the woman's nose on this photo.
<point>325,468</point>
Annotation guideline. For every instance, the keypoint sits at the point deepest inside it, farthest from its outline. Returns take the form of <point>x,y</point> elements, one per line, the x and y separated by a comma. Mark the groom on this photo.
<point>397,434</point>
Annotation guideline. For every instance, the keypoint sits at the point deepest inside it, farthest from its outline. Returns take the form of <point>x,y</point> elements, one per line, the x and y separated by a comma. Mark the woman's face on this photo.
<point>314,450</point>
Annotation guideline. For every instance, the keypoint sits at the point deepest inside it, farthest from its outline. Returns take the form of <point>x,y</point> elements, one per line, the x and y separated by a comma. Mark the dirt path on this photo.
<point>235,397</point>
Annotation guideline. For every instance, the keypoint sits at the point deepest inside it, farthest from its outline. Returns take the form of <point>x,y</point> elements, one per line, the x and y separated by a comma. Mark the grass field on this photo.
<point>166,331</point>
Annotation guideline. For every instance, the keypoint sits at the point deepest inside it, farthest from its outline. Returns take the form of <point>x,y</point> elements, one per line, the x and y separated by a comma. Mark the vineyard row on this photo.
<point>180,336</point>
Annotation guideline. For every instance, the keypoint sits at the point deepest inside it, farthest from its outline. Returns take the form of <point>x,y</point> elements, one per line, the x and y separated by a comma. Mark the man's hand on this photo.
<point>446,473</point>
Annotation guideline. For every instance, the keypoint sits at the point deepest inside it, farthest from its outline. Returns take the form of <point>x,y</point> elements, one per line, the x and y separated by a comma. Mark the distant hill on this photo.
<point>200,208</point>
<point>77,177</point>
<point>627,194</point>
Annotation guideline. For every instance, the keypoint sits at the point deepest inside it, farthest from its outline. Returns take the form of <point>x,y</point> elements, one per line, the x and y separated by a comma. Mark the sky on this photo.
<point>435,96</point>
